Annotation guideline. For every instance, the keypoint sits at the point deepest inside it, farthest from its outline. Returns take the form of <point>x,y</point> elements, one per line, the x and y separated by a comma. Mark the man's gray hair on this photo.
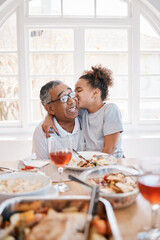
<point>44,92</point>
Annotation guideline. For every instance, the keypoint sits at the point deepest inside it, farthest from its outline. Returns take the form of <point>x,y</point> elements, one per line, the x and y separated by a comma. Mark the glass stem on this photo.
<point>60,171</point>
<point>154,208</point>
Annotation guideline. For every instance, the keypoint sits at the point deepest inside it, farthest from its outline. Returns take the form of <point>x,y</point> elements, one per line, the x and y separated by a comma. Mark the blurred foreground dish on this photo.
<point>59,218</point>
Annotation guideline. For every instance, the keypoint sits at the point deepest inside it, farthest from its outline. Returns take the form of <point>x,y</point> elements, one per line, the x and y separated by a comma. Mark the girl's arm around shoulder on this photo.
<point>48,124</point>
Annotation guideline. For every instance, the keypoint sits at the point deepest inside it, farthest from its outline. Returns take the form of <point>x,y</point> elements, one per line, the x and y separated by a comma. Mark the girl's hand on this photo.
<point>48,126</point>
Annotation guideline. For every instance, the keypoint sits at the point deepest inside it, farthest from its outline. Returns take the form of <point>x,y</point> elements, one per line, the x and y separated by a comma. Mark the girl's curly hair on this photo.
<point>99,77</point>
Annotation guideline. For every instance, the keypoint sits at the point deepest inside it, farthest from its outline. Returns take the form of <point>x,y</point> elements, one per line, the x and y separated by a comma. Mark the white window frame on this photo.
<point>131,23</point>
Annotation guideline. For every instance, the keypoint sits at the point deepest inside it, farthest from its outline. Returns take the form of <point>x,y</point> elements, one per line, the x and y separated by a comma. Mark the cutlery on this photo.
<point>8,168</point>
<point>79,181</point>
<point>79,155</point>
<point>91,211</point>
<point>98,156</point>
<point>92,204</point>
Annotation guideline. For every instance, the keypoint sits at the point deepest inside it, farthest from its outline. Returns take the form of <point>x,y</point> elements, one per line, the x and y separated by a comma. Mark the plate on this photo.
<point>88,155</point>
<point>28,183</point>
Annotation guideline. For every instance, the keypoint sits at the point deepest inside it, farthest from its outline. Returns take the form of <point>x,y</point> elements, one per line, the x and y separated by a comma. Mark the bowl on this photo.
<point>118,200</point>
<point>24,184</point>
<point>42,206</point>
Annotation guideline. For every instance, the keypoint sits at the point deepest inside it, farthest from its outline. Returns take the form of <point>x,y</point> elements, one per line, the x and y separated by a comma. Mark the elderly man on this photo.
<point>60,101</point>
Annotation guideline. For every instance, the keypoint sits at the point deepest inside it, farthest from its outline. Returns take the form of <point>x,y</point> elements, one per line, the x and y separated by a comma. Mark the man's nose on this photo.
<point>71,100</point>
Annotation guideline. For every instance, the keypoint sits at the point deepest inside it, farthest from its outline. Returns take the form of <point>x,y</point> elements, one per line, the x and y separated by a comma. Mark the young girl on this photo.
<point>101,122</point>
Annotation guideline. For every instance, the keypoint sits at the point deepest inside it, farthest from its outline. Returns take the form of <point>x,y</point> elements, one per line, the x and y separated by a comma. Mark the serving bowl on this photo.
<point>24,184</point>
<point>63,205</point>
<point>118,200</point>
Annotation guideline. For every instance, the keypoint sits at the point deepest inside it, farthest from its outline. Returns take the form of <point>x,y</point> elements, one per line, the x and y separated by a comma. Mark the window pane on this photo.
<point>9,111</point>
<point>150,109</point>
<point>51,64</point>
<point>112,8</point>
<point>118,63</point>
<point>150,63</point>
<point>38,111</point>
<point>150,86</point>
<point>106,40</point>
<point>120,87</point>
<point>57,39</point>
<point>38,82</point>
<point>44,7</point>
<point>123,107</point>
<point>8,34</point>
<point>8,87</point>
<point>82,7</point>
<point>150,39</point>
<point>8,63</point>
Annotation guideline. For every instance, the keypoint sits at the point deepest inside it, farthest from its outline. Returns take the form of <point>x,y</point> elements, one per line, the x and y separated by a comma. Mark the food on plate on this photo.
<point>63,221</point>
<point>115,183</point>
<point>94,161</point>
<point>18,185</point>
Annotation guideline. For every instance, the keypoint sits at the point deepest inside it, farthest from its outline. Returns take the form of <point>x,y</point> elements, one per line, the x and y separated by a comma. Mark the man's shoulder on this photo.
<point>38,129</point>
<point>39,125</point>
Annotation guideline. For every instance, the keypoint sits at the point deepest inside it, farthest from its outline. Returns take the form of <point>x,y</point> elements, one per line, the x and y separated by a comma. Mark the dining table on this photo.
<point>131,219</point>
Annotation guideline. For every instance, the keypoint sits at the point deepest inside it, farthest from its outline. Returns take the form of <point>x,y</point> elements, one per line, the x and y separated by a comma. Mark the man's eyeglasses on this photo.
<point>64,99</point>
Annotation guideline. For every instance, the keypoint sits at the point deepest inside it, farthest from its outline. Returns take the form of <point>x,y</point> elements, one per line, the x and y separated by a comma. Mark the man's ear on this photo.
<point>50,109</point>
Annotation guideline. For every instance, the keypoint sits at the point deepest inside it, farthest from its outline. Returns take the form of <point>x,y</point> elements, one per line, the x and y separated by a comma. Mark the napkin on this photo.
<point>33,162</point>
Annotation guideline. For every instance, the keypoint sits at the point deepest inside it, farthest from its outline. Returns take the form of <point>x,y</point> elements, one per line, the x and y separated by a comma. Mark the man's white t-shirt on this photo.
<point>40,142</point>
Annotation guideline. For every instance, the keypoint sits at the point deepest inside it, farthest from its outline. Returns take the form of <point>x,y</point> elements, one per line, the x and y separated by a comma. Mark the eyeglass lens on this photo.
<point>65,98</point>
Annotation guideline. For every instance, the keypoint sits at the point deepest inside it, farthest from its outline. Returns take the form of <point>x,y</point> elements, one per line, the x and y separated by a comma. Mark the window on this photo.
<point>112,53</point>
<point>51,57</point>
<point>149,72</point>
<point>59,42</point>
<point>9,88</point>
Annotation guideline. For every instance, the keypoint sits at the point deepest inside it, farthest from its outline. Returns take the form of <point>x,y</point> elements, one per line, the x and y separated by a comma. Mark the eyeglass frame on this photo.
<point>67,95</point>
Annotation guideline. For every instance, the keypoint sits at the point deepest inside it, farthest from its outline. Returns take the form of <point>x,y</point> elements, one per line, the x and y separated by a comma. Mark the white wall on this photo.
<point>141,146</point>
<point>133,146</point>
<point>15,149</point>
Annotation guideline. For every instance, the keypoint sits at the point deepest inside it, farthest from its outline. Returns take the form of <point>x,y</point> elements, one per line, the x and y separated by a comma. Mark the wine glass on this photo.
<point>149,187</point>
<point>60,153</point>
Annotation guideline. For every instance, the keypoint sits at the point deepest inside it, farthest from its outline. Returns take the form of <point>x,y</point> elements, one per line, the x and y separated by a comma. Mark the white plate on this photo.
<point>44,183</point>
<point>88,155</point>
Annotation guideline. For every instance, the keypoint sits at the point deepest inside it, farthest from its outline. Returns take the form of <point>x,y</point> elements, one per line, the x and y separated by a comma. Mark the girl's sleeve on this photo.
<point>112,120</point>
